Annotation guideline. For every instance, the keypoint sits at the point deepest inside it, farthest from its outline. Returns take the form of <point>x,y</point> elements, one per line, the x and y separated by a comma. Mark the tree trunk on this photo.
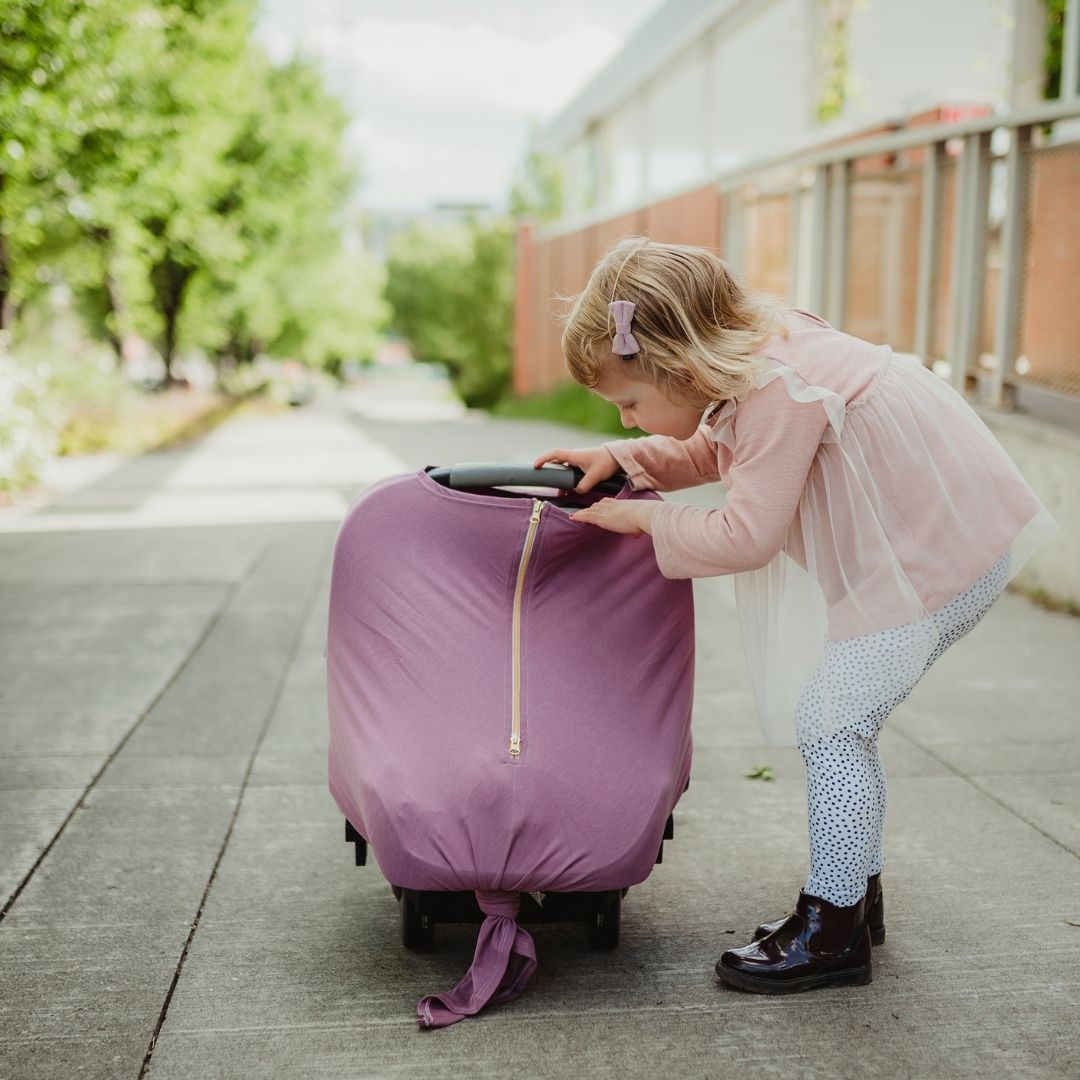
<point>5,268</point>
<point>118,306</point>
<point>170,279</point>
<point>6,314</point>
<point>168,351</point>
<point>115,340</point>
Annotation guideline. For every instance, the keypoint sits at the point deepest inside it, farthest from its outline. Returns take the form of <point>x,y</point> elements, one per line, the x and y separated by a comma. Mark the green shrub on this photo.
<point>451,291</point>
<point>571,404</point>
<point>56,401</point>
<point>29,421</point>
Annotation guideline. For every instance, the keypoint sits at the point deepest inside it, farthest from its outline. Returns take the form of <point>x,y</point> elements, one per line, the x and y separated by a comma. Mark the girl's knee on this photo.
<point>817,747</point>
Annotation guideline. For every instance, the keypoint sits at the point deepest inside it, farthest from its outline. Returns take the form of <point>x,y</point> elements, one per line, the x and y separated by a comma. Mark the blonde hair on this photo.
<point>696,327</point>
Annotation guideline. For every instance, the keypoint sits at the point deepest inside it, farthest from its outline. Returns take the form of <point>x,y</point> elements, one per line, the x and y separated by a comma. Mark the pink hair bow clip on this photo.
<point>623,343</point>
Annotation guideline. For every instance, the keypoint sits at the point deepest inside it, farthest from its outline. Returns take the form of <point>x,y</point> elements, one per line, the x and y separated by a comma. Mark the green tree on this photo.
<point>295,289</point>
<point>198,97</point>
<point>450,288</point>
<point>115,125</point>
<point>43,46</point>
<point>118,114</point>
<point>154,160</point>
<point>1054,38</point>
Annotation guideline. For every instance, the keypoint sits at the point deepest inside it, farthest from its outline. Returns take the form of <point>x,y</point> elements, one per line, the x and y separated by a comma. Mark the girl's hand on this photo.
<point>597,462</point>
<point>630,516</point>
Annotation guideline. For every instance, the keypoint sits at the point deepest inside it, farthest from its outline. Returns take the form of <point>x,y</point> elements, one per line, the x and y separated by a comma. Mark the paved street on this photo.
<point>180,903</point>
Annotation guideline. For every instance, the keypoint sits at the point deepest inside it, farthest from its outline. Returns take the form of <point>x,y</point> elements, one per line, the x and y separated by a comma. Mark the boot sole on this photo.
<point>851,977</point>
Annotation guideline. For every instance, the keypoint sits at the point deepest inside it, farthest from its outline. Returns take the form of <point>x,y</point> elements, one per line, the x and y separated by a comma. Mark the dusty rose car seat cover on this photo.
<point>420,662</point>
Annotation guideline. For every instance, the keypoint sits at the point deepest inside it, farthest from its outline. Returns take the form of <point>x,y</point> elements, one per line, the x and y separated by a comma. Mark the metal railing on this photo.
<point>961,161</point>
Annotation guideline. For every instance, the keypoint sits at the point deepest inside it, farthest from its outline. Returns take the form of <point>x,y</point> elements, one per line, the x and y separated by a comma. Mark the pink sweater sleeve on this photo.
<point>776,440</point>
<point>664,463</point>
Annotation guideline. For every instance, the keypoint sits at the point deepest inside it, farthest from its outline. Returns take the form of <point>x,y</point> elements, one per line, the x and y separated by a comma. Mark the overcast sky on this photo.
<point>442,92</point>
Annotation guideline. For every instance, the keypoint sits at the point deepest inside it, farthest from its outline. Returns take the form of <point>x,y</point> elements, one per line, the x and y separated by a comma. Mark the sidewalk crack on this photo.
<point>226,599</point>
<point>983,791</point>
<point>293,652</point>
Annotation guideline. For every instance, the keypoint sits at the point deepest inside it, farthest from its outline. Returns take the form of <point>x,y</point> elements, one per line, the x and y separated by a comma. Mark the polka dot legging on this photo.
<point>864,679</point>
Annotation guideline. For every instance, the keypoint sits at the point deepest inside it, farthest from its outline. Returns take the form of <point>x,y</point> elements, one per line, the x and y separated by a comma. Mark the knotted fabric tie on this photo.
<point>504,960</point>
<point>623,343</point>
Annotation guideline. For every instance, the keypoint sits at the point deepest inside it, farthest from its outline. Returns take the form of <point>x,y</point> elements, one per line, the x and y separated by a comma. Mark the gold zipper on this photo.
<point>526,551</point>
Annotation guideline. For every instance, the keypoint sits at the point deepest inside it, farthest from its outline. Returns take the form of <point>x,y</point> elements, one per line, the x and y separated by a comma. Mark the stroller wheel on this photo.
<point>603,929</point>
<point>417,930</point>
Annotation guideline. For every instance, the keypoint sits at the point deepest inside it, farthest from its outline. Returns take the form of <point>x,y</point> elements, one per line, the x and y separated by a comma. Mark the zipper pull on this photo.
<point>538,506</point>
<point>515,745</point>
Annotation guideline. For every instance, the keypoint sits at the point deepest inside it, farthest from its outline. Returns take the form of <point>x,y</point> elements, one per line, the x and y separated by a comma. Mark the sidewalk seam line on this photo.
<point>79,803</point>
<point>982,791</point>
<point>293,653</point>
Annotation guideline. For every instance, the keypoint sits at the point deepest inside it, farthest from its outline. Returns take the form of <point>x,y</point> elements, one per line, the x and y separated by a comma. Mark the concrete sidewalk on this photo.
<point>179,901</point>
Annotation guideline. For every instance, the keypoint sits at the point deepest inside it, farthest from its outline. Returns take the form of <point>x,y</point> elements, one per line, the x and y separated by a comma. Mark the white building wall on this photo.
<point>676,125</point>
<point>906,55</point>
<point>576,195</point>
<point>762,71</point>
<point>623,142</point>
<point>749,87</point>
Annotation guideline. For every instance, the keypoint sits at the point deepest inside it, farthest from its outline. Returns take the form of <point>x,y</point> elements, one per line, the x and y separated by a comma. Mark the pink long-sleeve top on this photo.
<point>850,442</point>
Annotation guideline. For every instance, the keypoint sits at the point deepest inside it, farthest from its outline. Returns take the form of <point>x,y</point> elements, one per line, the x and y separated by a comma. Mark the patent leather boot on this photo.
<point>875,913</point>
<point>819,944</point>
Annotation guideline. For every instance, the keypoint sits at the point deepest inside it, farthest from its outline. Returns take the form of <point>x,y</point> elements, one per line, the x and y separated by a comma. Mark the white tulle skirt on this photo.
<point>910,500</point>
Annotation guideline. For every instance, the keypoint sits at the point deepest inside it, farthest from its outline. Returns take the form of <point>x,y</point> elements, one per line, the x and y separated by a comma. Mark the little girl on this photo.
<point>871,520</point>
